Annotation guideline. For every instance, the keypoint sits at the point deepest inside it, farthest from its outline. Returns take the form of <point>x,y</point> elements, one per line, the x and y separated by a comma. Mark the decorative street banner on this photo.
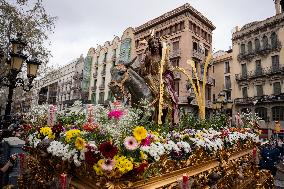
<point>125,50</point>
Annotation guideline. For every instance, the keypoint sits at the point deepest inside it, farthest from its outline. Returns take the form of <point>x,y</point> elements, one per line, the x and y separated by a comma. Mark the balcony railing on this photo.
<point>102,87</point>
<point>262,52</point>
<point>263,72</point>
<point>175,54</point>
<point>209,80</point>
<point>94,88</point>
<point>103,72</point>
<point>95,74</point>
<point>260,99</point>
<point>198,55</point>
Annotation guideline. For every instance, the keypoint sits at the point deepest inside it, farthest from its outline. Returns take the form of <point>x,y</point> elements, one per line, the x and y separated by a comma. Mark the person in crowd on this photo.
<point>9,164</point>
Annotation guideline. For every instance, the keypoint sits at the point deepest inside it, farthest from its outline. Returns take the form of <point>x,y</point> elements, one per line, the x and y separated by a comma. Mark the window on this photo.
<point>257,44</point>
<point>175,45</point>
<point>190,25</point>
<point>182,25</point>
<point>198,30</point>
<point>228,95</point>
<point>261,112</point>
<point>175,62</point>
<point>206,52</point>
<point>258,69</point>
<point>278,113</point>
<point>227,82</point>
<point>265,42</point>
<point>275,63</point>
<point>276,88</point>
<point>105,57</point>
<point>214,98</point>
<point>259,90</point>
<point>195,46</point>
<point>249,47</point>
<point>177,87</point>
<point>244,70</point>
<point>245,92</point>
<point>101,97</point>
<point>103,81</point>
<point>213,69</point>
<point>110,96</point>
<point>95,83</point>
<point>227,67</point>
<point>243,48</point>
<point>273,39</point>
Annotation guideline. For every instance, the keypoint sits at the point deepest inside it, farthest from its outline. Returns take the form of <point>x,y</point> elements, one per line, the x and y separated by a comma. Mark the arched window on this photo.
<point>243,48</point>
<point>257,44</point>
<point>261,112</point>
<point>265,42</point>
<point>278,113</point>
<point>249,46</point>
<point>273,39</point>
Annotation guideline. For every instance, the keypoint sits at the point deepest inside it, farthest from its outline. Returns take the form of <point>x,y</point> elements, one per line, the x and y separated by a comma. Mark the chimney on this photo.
<point>278,6</point>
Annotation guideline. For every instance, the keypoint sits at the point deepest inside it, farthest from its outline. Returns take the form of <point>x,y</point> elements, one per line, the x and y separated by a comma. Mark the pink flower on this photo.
<point>146,142</point>
<point>130,143</point>
<point>108,164</point>
<point>115,114</point>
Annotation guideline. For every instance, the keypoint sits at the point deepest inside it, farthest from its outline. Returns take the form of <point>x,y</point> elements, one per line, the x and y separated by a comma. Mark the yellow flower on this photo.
<point>46,131</point>
<point>123,164</point>
<point>140,133</point>
<point>142,155</point>
<point>97,167</point>
<point>72,133</point>
<point>80,143</point>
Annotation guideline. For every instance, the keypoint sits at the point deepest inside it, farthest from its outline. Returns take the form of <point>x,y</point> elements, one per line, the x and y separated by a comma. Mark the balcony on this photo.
<point>260,99</point>
<point>102,87</point>
<point>113,58</point>
<point>264,51</point>
<point>103,72</point>
<point>209,80</point>
<point>94,88</point>
<point>95,74</point>
<point>175,54</point>
<point>198,55</point>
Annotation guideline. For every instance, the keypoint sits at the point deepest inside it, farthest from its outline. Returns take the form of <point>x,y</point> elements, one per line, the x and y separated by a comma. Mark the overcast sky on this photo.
<point>85,23</point>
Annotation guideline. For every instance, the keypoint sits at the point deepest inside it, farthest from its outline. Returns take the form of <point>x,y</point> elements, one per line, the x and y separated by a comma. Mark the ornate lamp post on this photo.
<point>15,63</point>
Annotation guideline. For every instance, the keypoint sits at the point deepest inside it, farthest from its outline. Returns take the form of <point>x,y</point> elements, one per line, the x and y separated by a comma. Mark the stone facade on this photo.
<point>222,69</point>
<point>189,35</point>
<point>258,69</point>
<point>60,87</point>
<point>103,59</point>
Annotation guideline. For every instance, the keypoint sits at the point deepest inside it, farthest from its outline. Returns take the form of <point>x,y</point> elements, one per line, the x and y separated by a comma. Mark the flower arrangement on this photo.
<point>115,143</point>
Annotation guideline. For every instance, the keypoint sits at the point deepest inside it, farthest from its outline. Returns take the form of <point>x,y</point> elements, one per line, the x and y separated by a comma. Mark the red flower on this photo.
<point>90,126</point>
<point>108,150</point>
<point>146,142</point>
<point>115,114</point>
<point>142,167</point>
<point>90,157</point>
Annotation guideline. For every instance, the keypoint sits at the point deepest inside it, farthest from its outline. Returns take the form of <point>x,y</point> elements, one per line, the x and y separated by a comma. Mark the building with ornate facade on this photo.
<point>189,35</point>
<point>60,87</point>
<point>102,59</point>
<point>221,72</point>
<point>258,67</point>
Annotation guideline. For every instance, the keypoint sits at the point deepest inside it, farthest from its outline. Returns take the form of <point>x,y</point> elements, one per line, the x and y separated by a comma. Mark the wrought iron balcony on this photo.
<point>175,54</point>
<point>102,87</point>
<point>263,51</point>
<point>198,55</point>
<point>260,99</point>
<point>94,88</point>
<point>209,80</point>
<point>103,72</point>
<point>95,74</point>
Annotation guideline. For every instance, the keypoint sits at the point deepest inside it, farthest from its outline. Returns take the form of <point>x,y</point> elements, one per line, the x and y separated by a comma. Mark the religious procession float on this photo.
<point>143,139</point>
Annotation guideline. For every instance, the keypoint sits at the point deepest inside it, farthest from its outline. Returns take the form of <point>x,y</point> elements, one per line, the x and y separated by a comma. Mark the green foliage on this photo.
<point>72,119</point>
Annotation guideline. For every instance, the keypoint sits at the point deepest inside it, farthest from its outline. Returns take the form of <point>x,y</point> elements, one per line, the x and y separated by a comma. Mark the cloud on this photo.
<point>83,24</point>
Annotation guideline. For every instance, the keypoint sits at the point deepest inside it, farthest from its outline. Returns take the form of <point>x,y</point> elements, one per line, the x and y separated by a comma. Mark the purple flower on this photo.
<point>146,142</point>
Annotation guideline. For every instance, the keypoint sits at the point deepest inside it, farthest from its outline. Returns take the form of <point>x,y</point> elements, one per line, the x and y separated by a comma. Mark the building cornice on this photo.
<point>257,26</point>
<point>178,11</point>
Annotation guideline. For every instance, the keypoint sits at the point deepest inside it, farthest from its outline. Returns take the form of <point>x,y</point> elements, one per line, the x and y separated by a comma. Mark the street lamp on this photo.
<point>15,63</point>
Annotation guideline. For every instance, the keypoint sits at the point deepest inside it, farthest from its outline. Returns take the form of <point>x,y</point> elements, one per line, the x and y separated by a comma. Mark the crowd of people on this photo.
<point>272,158</point>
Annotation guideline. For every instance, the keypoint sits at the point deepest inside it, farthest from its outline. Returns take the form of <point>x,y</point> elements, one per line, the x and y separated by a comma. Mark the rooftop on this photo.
<point>184,8</point>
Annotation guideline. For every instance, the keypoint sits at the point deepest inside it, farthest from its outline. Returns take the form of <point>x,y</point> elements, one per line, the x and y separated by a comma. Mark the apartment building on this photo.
<point>60,87</point>
<point>189,35</point>
<point>258,67</point>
